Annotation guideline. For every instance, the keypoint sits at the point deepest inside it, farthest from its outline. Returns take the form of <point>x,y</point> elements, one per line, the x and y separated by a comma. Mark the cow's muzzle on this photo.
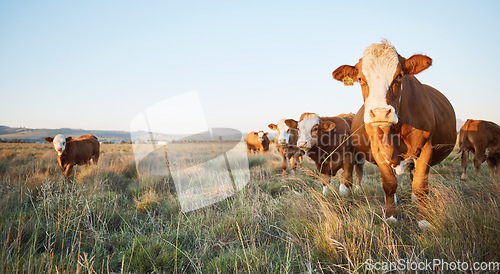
<point>303,144</point>
<point>382,117</point>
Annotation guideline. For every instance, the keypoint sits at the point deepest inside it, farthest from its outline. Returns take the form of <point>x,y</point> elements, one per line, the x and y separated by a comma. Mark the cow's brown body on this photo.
<point>483,139</point>
<point>414,122</point>
<point>288,150</point>
<point>78,152</point>
<point>334,151</point>
<point>254,144</point>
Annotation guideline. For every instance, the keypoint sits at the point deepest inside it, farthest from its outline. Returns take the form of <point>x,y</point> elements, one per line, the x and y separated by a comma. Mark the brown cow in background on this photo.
<point>326,141</point>
<point>286,144</point>
<point>72,152</point>
<point>483,139</point>
<point>257,141</point>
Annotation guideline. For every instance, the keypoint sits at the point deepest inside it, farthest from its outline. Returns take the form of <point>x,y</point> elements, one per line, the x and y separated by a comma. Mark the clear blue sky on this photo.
<point>96,64</point>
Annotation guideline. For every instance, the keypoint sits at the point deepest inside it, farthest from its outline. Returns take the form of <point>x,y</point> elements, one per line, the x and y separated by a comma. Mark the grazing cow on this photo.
<point>326,142</point>
<point>72,152</point>
<point>257,141</point>
<point>483,139</point>
<point>402,120</point>
<point>286,144</point>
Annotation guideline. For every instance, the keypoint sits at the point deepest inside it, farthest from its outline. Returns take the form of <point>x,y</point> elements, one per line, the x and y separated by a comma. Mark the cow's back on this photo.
<point>83,149</point>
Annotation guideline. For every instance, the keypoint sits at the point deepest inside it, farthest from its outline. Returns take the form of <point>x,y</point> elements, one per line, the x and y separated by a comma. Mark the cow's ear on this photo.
<point>416,64</point>
<point>49,139</point>
<point>273,126</point>
<point>70,138</point>
<point>266,133</point>
<point>345,71</point>
<point>255,133</point>
<point>327,125</point>
<point>291,123</point>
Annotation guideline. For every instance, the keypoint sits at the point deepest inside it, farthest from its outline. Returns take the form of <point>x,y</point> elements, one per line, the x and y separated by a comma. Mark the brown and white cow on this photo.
<point>257,141</point>
<point>286,144</point>
<point>326,142</point>
<point>72,152</point>
<point>483,139</point>
<point>402,120</point>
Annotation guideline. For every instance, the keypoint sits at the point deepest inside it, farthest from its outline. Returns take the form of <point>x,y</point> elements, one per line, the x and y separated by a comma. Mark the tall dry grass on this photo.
<point>108,218</point>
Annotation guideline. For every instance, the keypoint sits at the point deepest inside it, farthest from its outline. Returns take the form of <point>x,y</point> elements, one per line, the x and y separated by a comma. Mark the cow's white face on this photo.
<point>380,73</point>
<point>59,144</point>
<point>283,135</point>
<point>261,136</point>
<point>379,66</point>
<point>308,131</point>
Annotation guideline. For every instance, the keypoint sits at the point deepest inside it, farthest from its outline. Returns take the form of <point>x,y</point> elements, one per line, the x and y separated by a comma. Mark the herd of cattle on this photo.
<point>403,124</point>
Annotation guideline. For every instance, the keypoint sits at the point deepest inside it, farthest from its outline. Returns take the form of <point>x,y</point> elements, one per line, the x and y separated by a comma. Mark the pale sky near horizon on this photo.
<point>98,64</point>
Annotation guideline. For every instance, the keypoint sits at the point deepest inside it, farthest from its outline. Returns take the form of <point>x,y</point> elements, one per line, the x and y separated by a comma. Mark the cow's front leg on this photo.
<point>325,181</point>
<point>283,164</point>
<point>390,185</point>
<point>293,163</point>
<point>420,185</point>
<point>67,170</point>
<point>345,187</point>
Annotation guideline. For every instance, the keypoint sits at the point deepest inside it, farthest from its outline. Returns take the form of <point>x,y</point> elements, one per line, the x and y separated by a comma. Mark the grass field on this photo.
<point>110,219</point>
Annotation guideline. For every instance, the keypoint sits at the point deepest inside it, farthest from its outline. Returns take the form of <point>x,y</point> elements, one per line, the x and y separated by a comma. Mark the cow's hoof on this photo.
<point>326,190</point>
<point>463,177</point>
<point>391,220</point>
<point>343,191</point>
<point>424,225</point>
<point>414,197</point>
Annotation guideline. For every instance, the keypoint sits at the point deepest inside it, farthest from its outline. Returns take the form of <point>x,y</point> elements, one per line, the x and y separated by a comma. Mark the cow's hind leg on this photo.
<point>497,171</point>
<point>479,158</point>
<point>492,164</point>
<point>95,159</point>
<point>465,161</point>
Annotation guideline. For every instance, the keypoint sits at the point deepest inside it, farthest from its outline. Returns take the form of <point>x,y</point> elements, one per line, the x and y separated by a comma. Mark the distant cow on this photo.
<point>326,141</point>
<point>72,152</point>
<point>257,141</point>
<point>286,144</point>
<point>483,139</point>
<point>402,120</point>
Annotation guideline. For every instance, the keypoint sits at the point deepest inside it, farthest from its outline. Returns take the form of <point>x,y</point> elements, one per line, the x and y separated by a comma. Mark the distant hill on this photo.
<point>38,135</point>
